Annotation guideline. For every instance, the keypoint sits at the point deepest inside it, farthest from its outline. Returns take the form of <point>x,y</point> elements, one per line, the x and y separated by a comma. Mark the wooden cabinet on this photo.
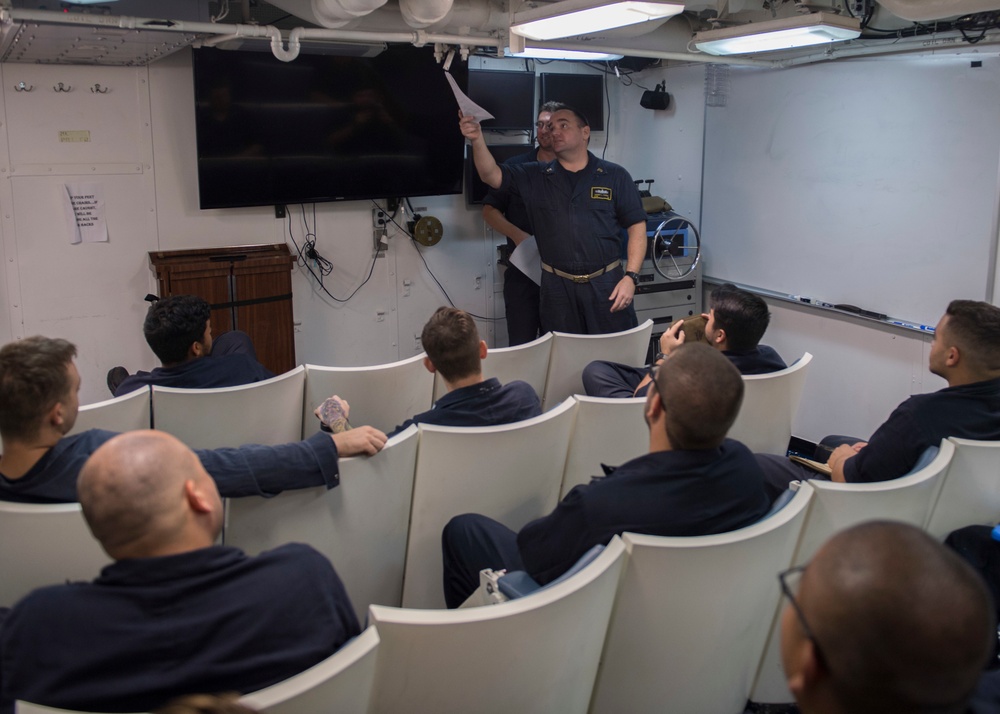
<point>249,288</point>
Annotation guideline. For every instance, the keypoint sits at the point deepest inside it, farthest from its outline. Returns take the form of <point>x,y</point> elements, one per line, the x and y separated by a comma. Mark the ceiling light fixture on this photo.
<point>782,34</point>
<point>553,54</point>
<point>569,18</point>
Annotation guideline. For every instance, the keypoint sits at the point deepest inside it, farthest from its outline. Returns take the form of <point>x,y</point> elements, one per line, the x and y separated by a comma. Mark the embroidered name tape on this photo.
<point>600,192</point>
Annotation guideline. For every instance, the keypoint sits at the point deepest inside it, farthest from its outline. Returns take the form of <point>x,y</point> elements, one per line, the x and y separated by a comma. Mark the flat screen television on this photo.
<point>324,127</point>
<point>583,92</point>
<point>508,96</point>
<point>475,189</point>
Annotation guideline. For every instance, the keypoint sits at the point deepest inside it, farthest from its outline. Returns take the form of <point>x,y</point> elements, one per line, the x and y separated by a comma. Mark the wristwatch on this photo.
<point>634,275</point>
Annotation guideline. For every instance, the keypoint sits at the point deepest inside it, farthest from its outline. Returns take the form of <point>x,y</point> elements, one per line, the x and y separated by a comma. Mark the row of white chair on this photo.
<point>279,410</point>
<point>384,396</point>
<point>594,431</point>
<point>690,618</point>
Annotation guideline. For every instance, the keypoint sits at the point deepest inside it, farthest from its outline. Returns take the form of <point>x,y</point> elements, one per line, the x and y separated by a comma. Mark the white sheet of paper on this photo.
<point>469,108</point>
<point>526,259</point>
<point>84,207</point>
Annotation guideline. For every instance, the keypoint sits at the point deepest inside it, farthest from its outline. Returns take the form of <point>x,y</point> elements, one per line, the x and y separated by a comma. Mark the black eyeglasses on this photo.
<point>790,580</point>
<point>653,371</point>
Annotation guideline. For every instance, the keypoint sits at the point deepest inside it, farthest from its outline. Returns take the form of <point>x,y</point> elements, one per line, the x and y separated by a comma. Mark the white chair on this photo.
<point>340,684</point>
<point>970,494</point>
<point>605,431</point>
<point>125,413</point>
<point>837,506</point>
<point>383,395</point>
<point>267,412</point>
<point>571,353</point>
<point>45,544</point>
<point>528,362</point>
<point>361,525</point>
<point>770,401</point>
<point>537,654</point>
<point>691,617</point>
<point>511,473</point>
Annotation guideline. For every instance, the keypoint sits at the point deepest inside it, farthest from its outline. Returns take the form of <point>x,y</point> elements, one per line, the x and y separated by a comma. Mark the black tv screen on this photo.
<point>508,96</point>
<point>475,189</point>
<point>324,128</point>
<point>583,92</point>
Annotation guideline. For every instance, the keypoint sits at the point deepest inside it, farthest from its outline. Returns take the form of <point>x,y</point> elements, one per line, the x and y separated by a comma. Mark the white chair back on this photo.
<point>340,684</point>
<point>45,544</point>
<point>528,362</point>
<point>361,525</point>
<point>605,431</point>
<point>126,413</point>
<point>511,473</point>
<point>382,395</point>
<point>770,401</point>
<point>691,617</point>
<point>837,506</point>
<point>537,654</point>
<point>970,493</point>
<point>571,353</point>
<point>267,412</point>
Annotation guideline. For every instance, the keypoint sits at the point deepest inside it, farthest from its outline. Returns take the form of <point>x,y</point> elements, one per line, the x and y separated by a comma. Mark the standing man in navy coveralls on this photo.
<point>506,214</point>
<point>577,205</point>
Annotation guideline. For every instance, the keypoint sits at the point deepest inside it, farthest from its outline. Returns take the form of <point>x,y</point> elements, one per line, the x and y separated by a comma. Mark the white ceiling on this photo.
<point>137,32</point>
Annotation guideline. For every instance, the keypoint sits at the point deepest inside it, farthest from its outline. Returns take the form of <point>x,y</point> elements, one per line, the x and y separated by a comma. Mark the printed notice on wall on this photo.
<point>85,213</point>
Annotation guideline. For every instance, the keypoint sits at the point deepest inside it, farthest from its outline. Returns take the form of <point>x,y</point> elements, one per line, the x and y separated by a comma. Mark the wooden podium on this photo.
<point>248,287</point>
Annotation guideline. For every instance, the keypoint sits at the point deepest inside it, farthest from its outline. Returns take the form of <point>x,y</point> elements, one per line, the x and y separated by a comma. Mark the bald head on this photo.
<point>701,392</point>
<point>144,494</point>
<point>902,623</point>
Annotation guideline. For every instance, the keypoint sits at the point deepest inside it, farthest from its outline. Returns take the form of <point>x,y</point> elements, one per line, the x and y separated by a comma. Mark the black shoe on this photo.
<point>116,375</point>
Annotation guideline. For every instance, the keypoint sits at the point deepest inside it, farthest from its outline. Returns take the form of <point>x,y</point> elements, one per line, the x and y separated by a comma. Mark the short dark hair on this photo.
<point>903,622</point>
<point>34,376</point>
<point>743,315</point>
<point>580,116</point>
<point>173,324</point>
<point>701,392</point>
<point>975,327</point>
<point>451,341</point>
<point>551,107</point>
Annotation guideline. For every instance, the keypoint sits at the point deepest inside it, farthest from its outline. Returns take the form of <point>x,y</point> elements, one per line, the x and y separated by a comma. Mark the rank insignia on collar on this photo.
<point>601,193</point>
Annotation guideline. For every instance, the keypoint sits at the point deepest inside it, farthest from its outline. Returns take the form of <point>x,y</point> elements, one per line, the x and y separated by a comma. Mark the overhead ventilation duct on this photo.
<point>424,13</point>
<point>329,13</point>
<point>928,10</point>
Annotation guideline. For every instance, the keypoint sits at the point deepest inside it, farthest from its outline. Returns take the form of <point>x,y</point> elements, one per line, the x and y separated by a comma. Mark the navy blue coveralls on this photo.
<point>578,219</point>
<point>520,294</point>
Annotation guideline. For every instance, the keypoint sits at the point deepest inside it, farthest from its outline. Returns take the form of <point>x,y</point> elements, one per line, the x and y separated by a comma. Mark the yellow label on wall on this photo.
<point>75,136</point>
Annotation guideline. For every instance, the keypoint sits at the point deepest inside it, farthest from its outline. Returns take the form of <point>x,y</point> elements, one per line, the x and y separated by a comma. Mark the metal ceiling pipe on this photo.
<point>927,10</point>
<point>329,13</point>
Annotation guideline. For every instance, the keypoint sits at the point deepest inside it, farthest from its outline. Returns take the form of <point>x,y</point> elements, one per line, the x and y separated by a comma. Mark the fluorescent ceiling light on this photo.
<point>788,33</point>
<point>550,54</point>
<point>568,18</point>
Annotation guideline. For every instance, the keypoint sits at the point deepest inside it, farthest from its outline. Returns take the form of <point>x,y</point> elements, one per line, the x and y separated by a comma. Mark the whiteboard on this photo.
<point>868,182</point>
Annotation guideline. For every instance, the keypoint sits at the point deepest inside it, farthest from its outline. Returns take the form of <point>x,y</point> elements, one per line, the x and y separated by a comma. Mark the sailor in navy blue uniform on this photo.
<point>578,206</point>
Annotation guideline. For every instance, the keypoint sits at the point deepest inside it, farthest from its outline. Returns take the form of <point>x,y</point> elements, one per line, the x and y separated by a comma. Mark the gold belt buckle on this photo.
<point>580,278</point>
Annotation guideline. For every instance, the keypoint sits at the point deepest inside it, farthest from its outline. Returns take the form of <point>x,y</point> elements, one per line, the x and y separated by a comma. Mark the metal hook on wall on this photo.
<point>60,88</point>
<point>22,87</point>
<point>97,89</point>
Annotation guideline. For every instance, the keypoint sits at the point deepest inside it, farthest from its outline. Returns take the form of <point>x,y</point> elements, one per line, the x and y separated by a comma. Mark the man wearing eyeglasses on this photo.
<point>692,482</point>
<point>885,619</point>
<point>578,206</point>
<point>506,214</point>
